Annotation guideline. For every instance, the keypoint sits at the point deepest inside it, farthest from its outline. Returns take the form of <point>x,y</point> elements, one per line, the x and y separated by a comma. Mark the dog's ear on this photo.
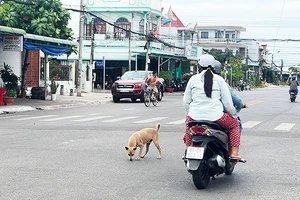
<point>126,148</point>
<point>134,148</point>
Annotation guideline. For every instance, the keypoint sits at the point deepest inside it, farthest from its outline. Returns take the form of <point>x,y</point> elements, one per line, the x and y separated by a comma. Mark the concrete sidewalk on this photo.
<point>63,101</point>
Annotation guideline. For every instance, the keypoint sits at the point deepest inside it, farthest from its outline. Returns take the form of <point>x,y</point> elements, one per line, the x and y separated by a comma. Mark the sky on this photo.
<point>263,19</point>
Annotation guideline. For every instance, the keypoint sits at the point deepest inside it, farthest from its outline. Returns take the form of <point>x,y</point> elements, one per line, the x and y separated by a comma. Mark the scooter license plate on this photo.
<point>194,152</point>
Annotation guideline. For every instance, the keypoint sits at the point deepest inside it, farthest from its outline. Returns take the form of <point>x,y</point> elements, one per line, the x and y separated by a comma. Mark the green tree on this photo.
<point>238,69</point>
<point>234,61</point>
<point>40,17</point>
<point>293,70</point>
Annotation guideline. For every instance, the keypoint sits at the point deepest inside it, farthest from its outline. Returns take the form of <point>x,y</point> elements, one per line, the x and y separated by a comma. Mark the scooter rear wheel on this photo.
<point>201,176</point>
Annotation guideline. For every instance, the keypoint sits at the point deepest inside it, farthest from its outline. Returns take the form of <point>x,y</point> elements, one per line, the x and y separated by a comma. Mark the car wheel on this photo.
<point>133,99</point>
<point>116,100</point>
<point>142,98</point>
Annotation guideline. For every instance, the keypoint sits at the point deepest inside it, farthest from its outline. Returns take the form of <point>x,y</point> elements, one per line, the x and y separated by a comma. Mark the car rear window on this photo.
<point>133,76</point>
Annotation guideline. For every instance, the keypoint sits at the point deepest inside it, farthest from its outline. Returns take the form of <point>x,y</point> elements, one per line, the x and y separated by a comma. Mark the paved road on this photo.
<point>79,153</point>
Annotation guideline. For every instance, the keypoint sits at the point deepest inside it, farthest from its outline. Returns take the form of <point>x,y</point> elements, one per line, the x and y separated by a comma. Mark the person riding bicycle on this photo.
<point>152,82</point>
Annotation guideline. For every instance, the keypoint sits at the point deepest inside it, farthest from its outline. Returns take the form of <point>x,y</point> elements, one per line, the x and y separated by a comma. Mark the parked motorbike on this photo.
<point>292,95</point>
<point>241,86</point>
<point>208,155</point>
<point>108,85</point>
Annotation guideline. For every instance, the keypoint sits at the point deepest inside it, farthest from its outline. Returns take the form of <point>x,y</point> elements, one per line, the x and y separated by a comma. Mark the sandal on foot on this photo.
<point>235,157</point>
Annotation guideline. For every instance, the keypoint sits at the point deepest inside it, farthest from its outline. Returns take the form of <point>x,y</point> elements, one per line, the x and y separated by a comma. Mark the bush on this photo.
<point>9,78</point>
<point>10,93</point>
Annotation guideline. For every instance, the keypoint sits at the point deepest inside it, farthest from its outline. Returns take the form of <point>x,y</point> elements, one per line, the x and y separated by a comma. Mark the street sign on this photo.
<point>99,64</point>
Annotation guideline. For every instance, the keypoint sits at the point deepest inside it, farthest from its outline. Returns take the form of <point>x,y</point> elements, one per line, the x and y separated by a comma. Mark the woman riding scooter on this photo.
<point>202,102</point>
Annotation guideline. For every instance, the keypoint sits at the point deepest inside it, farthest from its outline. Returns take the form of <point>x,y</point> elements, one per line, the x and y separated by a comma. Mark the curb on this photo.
<point>16,109</point>
<point>73,105</point>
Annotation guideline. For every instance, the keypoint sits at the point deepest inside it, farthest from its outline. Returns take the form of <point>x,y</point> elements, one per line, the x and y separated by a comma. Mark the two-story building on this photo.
<point>115,32</point>
<point>214,37</point>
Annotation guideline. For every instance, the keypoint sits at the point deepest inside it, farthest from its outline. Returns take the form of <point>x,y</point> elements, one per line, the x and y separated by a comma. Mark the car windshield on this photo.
<point>134,76</point>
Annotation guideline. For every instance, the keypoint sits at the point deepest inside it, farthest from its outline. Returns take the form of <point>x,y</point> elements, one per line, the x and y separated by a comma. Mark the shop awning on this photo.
<point>11,30</point>
<point>48,45</point>
<point>49,50</point>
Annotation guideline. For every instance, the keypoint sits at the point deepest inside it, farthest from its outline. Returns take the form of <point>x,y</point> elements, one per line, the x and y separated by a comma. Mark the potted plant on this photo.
<point>2,93</point>
<point>53,88</point>
<point>167,84</point>
<point>9,78</point>
<point>9,97</point>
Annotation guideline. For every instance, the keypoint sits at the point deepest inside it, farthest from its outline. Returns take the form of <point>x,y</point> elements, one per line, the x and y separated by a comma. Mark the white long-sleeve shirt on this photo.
<point>200,107</point>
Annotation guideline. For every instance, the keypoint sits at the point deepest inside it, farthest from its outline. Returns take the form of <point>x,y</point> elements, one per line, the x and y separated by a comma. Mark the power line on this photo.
<point>149,36</point>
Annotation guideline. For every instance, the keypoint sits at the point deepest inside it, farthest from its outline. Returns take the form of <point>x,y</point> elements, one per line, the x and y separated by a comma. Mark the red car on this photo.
<point>132,85</point>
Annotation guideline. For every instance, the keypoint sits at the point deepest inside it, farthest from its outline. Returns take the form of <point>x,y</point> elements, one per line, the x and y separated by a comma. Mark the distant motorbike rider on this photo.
<point>294,85</point>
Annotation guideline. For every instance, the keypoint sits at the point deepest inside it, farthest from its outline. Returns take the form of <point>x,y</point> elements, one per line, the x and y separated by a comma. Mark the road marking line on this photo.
<point>91,119</point>
<point>60,118</point>
<point>129,109</point>
<point>250,124</point>
<point>150,120</point>
<point>284,127</point>
<point>119,119</point>
<point>182,121</point>
<point>14,116</point>
<point>36,117</point>
<point>251,103</point>
<point>93,114</point>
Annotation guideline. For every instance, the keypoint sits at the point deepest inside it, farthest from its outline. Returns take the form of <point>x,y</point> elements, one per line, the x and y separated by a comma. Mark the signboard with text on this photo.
<point>12,43</point>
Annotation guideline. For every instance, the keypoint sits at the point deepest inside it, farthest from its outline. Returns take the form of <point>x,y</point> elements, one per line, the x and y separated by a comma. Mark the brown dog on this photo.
<point>140,138</point>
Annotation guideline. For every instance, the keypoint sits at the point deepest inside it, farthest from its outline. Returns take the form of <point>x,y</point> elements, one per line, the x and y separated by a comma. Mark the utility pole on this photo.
<point>281,66</point>
<point>147,55</point>
<point>147,46</point>
<point>81,27</point>
<point>92,54</point>
<point>260,60</point>
<point>247,73</point>
<point>92,41</point>
<point>129,44</point>
<point>129,51</point>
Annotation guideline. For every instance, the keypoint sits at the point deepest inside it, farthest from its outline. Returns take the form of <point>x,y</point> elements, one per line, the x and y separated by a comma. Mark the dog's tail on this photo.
<point>157,126</point>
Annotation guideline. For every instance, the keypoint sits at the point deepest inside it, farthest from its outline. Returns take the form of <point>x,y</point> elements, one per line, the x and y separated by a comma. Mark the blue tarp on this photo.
<point>49,50</point>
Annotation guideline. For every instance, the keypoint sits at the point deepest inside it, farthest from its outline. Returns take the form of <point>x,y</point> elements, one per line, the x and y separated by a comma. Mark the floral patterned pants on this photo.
<point>226,122</point>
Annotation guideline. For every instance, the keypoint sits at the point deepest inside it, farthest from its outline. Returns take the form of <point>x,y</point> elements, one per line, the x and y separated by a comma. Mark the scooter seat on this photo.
<point>210,124</point>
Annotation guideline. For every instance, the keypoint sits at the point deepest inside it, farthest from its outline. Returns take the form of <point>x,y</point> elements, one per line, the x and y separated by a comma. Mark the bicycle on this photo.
<point>149,96</point>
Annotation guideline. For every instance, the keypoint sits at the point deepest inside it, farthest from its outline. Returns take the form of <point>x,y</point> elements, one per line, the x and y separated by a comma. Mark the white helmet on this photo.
<point>206,60</point>
<point>218,67</point>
